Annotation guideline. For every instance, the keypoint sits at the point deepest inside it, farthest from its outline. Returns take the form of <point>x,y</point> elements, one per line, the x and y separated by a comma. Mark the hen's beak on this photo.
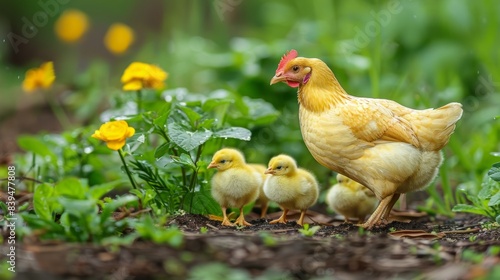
<point>269,170</point>
<point>278,78</point>
<point>212,165</point>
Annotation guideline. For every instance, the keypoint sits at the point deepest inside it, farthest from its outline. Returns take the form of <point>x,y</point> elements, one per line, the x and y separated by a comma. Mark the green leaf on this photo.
<point>184,160</point>
<point>161,121</point>
<point>71,187</point>
<point>494,200</point>
<point>171,236</point>
<point>110,207</point>
<point>158,234</point>
<point>43,201</point>
<point>200,202</point>
<point>97,191</point>
<point>36,146</point>
<point>234,132</point>
<point>191,114</point>
<point>78,207</point>
<point>489,188</point>
<point>253,111</point>
<point>210,104</point>
<point>208,123</point>
<point>187,140</point>
<point>469,209</point>
<point>162,150</point>
<point>144,195</point>
<point>34,221</point>
<point>494,172</point>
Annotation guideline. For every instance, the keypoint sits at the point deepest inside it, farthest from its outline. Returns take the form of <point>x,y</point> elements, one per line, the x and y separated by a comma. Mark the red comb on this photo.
<point>284,60</point>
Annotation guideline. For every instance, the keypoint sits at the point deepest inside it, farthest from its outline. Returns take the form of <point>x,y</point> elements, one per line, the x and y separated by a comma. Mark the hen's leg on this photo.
<point>281,219</point>
<point>225,220</point>
<point>377,215</point>
<point>402,203</point>
<point>241,219</point>
<point>388,209</point>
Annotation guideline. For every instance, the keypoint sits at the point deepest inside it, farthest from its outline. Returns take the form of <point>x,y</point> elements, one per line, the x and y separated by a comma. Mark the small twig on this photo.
<point>212,227</point>
<point>23,178</point>
<point>24,198</point>
<point>470,226</point>
<point>140,212</point>
<point>283,230</point>
<point>461,231</point>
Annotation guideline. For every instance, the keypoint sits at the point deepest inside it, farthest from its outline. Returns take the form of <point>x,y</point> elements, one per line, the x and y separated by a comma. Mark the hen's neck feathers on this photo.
<point>322,91</point>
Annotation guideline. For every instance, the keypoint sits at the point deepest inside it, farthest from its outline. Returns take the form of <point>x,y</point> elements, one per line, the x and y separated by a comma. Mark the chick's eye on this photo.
<point>279,167</point>
<point>222,161</point>
<point>295,68</point>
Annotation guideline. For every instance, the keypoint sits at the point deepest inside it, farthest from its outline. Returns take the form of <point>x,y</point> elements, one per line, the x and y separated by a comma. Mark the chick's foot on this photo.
<point>241,221</point>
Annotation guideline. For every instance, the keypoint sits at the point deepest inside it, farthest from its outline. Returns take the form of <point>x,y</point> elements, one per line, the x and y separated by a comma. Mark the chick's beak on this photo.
<point>279,77</point>
<point>270,171</point>
<point>212,165</point>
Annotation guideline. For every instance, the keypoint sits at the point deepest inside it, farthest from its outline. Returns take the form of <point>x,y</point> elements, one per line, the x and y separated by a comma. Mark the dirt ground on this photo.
<point>336,251</point>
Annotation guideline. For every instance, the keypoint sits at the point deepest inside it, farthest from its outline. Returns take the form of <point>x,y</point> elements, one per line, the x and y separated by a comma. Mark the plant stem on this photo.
<point>139,101</point>
<point>58,112</point>
<point>120,152</point>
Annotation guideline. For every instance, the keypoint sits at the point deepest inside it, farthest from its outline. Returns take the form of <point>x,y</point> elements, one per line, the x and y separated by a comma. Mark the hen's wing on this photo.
<point>433,127</point>
<point>370,121</point>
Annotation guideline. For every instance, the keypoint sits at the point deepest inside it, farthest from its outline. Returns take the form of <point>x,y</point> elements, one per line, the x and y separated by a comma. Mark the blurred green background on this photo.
<point>419,53</point>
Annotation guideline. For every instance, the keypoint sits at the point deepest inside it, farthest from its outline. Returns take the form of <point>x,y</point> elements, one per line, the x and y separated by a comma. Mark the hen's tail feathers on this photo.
<point>435,126</point>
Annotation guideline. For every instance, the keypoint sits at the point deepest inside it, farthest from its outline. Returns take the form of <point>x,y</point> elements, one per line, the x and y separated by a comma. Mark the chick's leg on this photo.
<point>281,219</point>
<point>377,215</point>
<point>225,220</point>
<point>301,219</point>
<point>241,219</point>
<point>264,207</point>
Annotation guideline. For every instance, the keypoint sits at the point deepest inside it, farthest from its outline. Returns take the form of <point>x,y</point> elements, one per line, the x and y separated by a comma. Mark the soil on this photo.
<point>418,248</point>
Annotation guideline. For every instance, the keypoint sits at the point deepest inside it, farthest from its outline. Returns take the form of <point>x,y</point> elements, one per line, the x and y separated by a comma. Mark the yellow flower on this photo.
<point>42,77</point>
<point>140,75</point>
<point>118,38</point>
<point>71,25</point>
<point>114,133</point>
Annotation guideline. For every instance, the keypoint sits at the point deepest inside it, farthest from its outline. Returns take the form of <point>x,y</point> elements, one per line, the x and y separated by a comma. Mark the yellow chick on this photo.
<point>263,200</point>
<point>351,199</point>
<point>291,187</point>
<point>235,184</point>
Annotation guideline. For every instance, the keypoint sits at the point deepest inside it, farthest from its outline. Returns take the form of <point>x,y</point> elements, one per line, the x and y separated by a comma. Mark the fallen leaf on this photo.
<point>408,213</point>
<point>416,234</point>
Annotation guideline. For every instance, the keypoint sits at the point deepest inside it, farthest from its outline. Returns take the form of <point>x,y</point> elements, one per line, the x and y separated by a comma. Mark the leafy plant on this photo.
<point>308,231</point>
<point>71,211</point>
<point>184,135</point>
<point>487,201</point>
<point>148,230</point>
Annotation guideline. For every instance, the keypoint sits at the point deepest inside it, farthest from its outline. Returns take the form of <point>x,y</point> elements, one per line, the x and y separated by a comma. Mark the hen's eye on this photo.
<point>295,68</point>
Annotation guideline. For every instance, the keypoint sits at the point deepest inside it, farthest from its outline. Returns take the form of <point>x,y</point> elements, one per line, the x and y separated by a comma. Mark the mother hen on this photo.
<point>389,148</point>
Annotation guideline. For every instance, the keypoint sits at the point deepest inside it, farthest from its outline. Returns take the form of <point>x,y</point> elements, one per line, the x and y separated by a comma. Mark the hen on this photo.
<point>351,199</point>
<point>389,148</point>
